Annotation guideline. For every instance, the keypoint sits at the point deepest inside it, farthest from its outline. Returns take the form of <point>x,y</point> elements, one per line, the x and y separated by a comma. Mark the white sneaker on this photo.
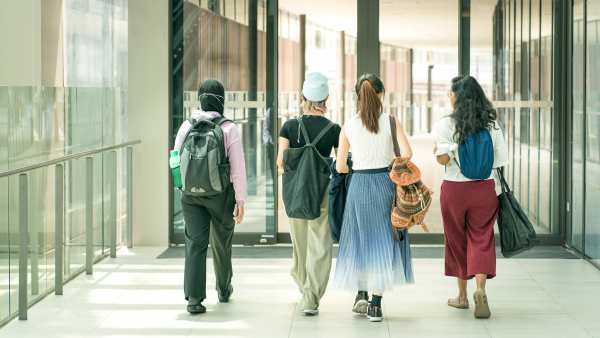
<point>311,311</point>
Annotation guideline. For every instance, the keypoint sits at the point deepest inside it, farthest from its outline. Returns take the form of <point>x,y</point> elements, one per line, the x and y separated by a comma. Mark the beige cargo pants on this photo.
<point>313,249</point>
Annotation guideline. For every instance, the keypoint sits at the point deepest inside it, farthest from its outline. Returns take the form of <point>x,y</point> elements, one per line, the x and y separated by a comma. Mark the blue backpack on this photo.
<point>476,155</point>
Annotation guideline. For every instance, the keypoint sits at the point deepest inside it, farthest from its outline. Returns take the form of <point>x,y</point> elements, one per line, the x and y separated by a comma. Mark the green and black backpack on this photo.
<point>205,169</point>
<point>306,177</point>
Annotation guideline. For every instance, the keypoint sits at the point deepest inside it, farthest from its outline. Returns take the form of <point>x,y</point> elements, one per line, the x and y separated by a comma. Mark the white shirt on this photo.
<point>370,151</point>
<point>446,145</point>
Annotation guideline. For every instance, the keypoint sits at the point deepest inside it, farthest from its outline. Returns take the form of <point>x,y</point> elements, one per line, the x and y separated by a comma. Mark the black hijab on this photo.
<point>212,102</point>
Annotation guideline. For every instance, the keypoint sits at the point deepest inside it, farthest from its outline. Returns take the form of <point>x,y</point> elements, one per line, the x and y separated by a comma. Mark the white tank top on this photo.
<point>370,151</point>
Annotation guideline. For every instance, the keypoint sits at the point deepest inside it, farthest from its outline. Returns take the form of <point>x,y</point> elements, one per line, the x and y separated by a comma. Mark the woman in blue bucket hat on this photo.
<point>312,242</point>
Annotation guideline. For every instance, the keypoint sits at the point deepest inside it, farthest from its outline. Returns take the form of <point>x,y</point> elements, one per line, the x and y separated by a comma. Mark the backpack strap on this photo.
<point>192,122</point>
<point>394,138</point>
<point>322,133</point>
<point>305,133</point>
<point>455,161</point>
<point>303,129</point>
<point>218,121</point>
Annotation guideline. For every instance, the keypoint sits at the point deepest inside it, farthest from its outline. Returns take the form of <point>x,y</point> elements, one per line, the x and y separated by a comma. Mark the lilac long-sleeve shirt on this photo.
<point>233,150</point>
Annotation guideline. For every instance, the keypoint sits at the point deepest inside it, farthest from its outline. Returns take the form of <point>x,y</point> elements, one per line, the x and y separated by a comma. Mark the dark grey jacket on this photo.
<point>338,189</point>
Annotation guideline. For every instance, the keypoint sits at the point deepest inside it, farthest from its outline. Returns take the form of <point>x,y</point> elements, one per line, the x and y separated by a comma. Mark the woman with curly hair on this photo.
<point>469,207</point>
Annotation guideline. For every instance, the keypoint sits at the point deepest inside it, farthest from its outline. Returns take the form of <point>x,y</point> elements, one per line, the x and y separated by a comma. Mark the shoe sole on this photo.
<point>458,306</point>
<point>310,312</point>
<point>192,310</point>
<point>375,319</point>
<point>361,306</point>
<point>482,308</point>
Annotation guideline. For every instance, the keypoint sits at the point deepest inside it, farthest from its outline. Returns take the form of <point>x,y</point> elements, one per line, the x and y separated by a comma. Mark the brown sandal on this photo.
<point>482,309</point>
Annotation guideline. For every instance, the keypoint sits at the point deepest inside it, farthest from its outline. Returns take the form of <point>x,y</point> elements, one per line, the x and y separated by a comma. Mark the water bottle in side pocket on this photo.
<point>174,163</point>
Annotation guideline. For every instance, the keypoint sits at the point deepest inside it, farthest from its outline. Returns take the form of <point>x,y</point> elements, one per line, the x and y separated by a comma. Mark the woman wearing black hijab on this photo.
<point>212,217</point>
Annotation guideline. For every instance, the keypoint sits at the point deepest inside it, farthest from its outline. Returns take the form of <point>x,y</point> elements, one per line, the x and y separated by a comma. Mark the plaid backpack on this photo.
<point>411,198</point>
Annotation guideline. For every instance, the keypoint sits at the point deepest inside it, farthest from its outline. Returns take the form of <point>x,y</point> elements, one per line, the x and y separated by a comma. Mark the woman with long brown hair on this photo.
<point>469,206</point>
<point>369,258</point>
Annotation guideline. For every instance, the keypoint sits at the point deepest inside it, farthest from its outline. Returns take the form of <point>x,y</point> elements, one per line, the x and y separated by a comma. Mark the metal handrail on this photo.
<point>67,158</point>
<point>25,254</point>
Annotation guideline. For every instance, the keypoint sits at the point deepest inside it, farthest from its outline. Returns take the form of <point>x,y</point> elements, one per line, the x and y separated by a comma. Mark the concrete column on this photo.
<point>52,43</point>
<point>464,37</point>
<point>148,105</point>
<point>250,135</point>
<point>272,104</point>
<point>302,19</point>
<point>367,42</point>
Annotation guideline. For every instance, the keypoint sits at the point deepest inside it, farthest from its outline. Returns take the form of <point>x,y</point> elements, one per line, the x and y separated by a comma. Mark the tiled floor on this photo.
<point>137,295</point>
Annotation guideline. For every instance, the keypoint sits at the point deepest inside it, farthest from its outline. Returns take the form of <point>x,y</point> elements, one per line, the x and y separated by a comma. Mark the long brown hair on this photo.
<point>368,87</point>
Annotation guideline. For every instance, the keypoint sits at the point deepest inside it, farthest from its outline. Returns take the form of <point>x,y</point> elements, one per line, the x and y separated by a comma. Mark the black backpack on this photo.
<point>306,177</point>
<point>205,170</point>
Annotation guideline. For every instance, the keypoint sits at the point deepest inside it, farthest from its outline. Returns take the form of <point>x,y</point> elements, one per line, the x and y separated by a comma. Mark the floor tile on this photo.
<point>137,295</point>
<point>348,333</point>
<point>139,332</point>
<point>526,325</point>
<point>238,333</point>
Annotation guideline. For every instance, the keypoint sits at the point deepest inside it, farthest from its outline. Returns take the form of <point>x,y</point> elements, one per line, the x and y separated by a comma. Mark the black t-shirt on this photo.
<point>314,125</point>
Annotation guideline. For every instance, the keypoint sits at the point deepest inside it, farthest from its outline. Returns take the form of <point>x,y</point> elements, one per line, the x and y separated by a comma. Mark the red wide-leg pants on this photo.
<point>469,210</point>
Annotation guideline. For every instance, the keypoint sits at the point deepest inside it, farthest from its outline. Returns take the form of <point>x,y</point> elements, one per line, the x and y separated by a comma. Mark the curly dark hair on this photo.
<point>472,110</point>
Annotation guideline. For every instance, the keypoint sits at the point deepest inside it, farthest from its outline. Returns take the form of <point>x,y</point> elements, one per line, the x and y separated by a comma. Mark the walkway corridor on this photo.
<point>137,295</point>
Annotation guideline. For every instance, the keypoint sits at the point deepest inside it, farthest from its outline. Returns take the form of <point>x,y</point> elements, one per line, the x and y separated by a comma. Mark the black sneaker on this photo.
<point>375,313</point>
<point>225,298</point>
<point>361,302</point>
<point>195,305</point>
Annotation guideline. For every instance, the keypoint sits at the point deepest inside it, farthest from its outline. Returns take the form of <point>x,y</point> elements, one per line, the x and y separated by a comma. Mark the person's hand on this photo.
<point>435,147</point>
<point>240,214</point>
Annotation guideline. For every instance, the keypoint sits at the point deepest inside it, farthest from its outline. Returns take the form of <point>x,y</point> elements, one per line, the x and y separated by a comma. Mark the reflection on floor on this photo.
<point>137,295</point>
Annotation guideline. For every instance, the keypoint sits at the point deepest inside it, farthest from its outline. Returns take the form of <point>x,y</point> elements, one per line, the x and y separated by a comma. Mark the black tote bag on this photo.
<point>516,232</point>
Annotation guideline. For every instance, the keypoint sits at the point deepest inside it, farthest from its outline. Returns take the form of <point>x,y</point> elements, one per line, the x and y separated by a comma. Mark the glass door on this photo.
<point>234,42</point>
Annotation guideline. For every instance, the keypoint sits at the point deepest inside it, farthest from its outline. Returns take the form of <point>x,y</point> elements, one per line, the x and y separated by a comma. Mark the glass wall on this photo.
<point>586,129</point>
<point>592,214</point>
<point>522,90</point>
<point>231,41</point>
<point>39,124</point>
<point>213,43</point>
<point>578,123</point>
<point>86,110</point>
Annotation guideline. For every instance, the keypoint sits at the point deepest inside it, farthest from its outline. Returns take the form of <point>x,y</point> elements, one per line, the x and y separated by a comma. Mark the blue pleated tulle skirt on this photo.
<point>369,258</point>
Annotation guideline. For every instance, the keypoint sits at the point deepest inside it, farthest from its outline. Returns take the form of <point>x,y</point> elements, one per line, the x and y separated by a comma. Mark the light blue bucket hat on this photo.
<point>315,87</point>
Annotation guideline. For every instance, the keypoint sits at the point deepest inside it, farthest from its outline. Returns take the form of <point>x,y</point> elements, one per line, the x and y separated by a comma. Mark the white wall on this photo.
<point>20,43</point>
<point>149,79</point>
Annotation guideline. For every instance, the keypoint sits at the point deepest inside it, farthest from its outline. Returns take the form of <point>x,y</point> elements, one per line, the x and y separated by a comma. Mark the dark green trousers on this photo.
<point>208,220</point>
